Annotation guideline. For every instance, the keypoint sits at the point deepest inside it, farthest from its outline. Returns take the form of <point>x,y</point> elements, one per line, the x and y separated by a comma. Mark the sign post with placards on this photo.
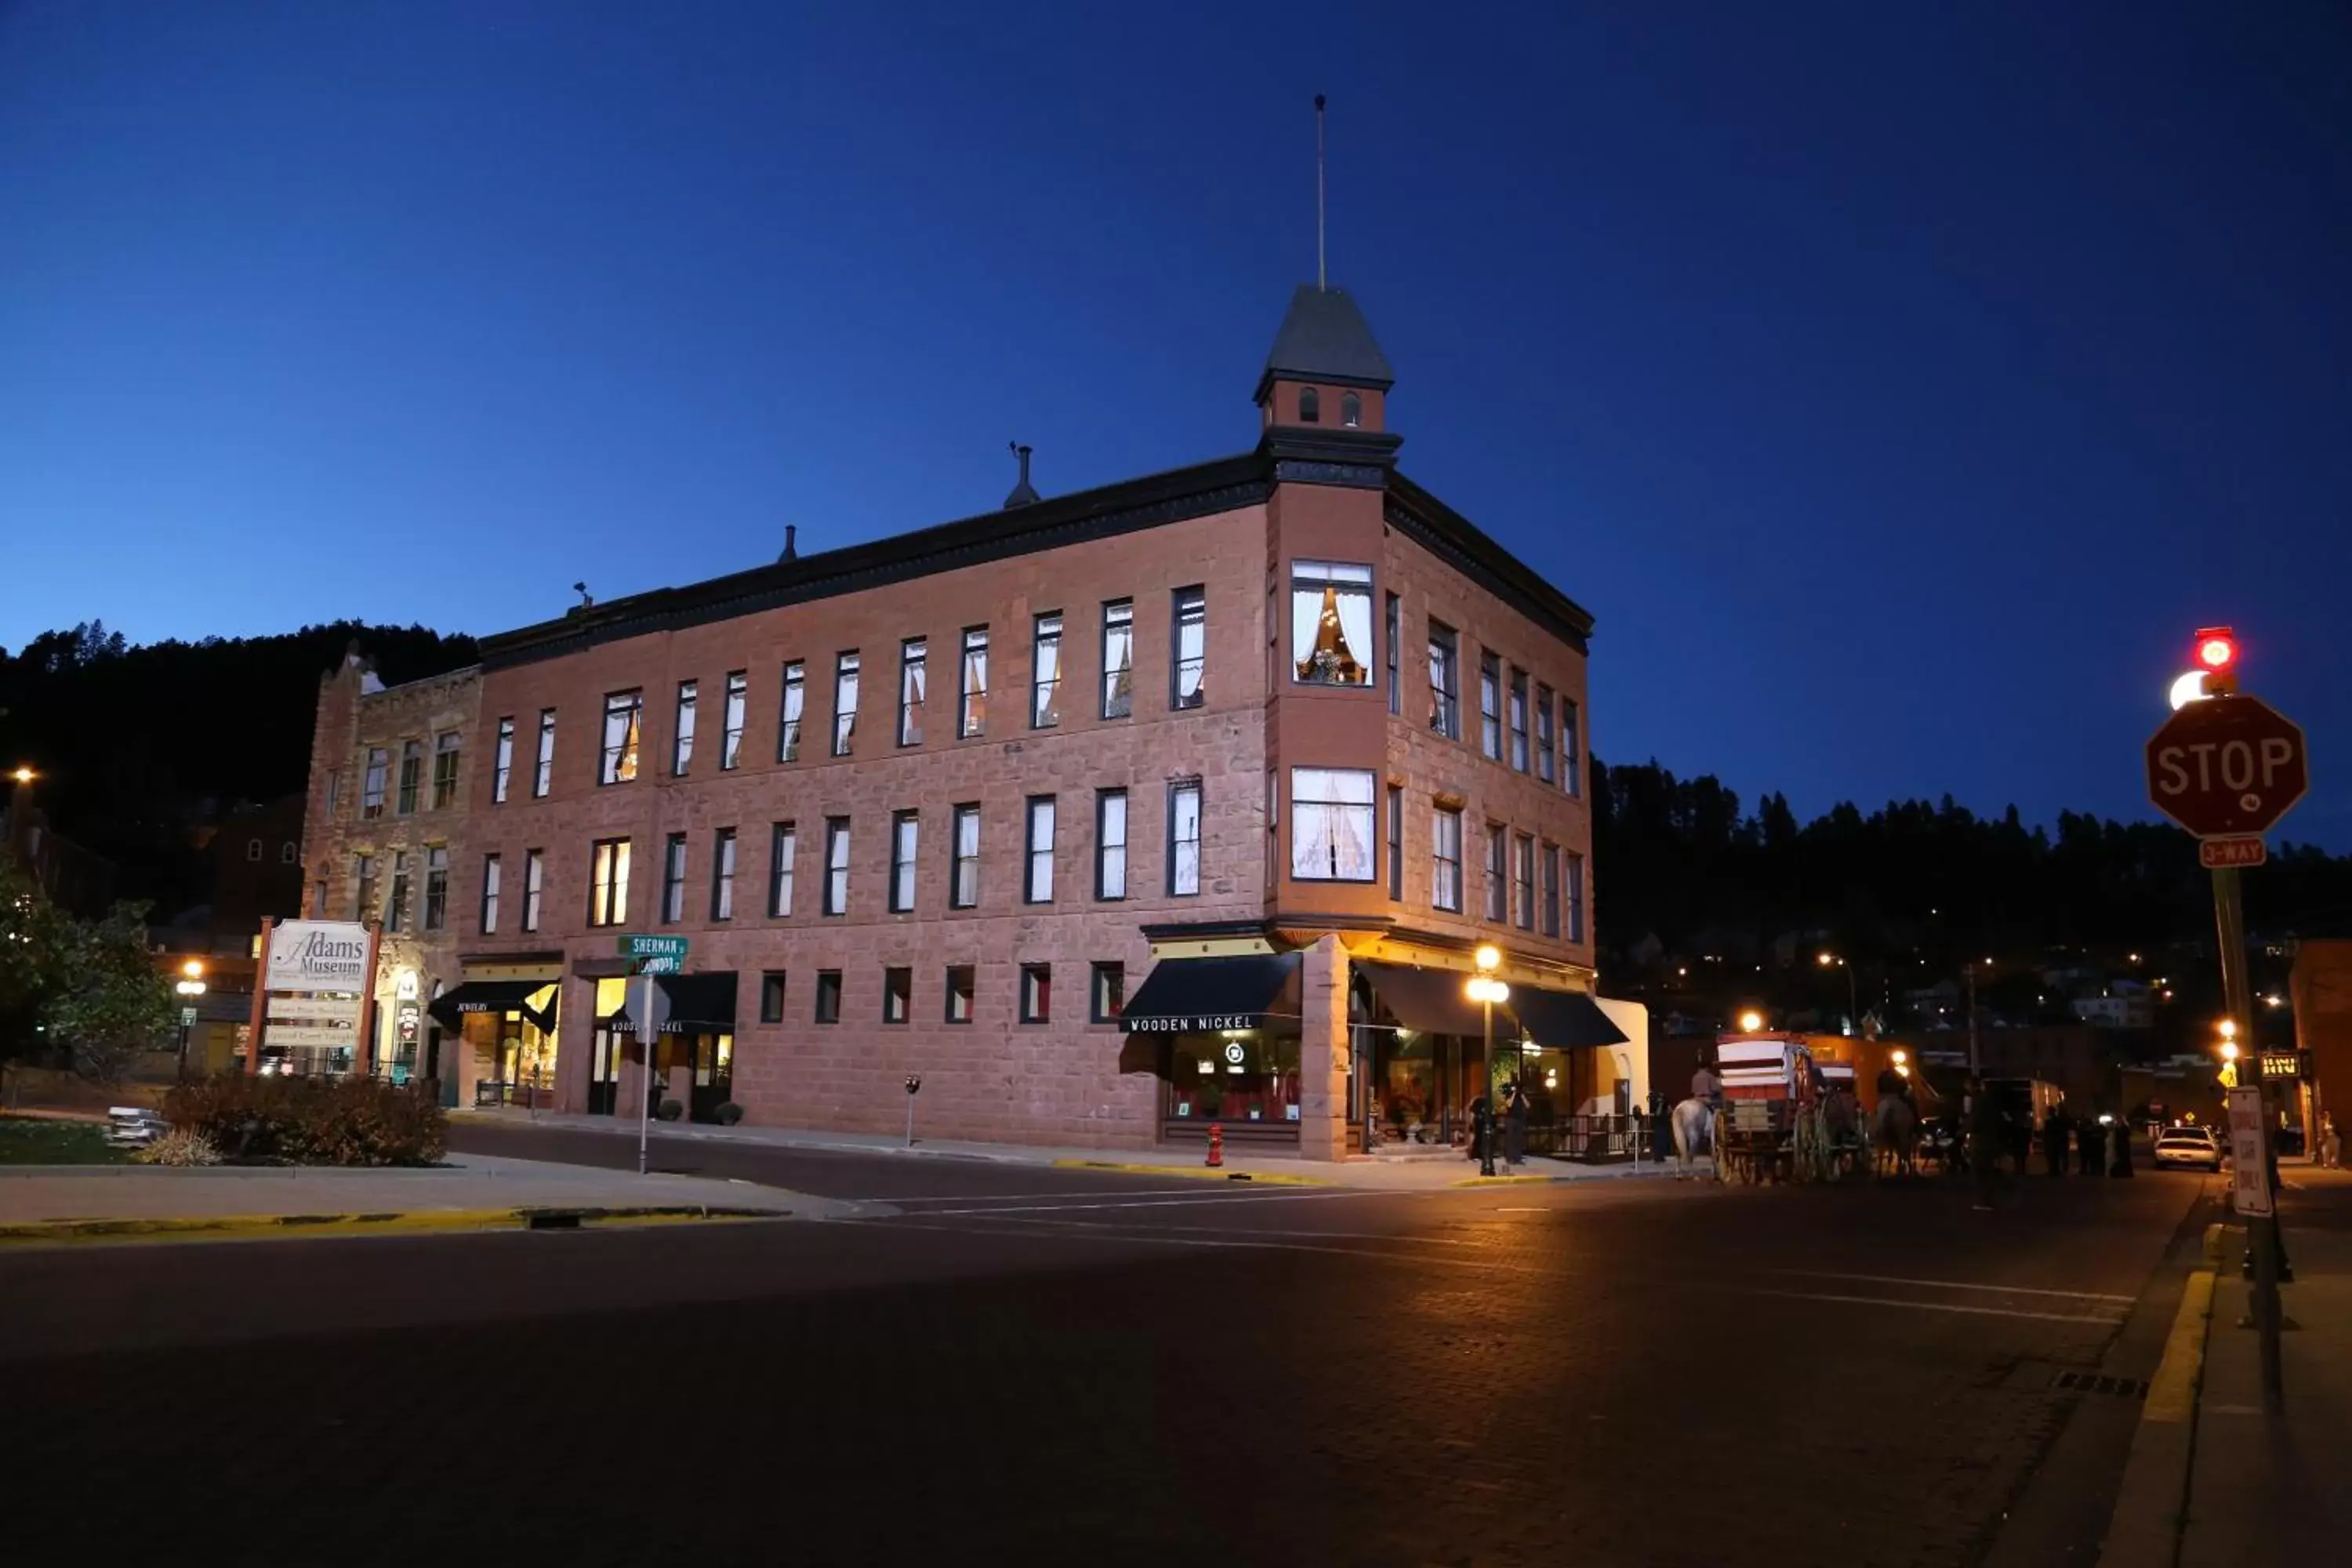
<point>649,956</point>
<point>316,978</point>
<point>2250,1179</point>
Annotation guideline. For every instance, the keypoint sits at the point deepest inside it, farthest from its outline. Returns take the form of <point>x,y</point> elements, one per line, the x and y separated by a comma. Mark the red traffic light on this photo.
<point>2217,647</point>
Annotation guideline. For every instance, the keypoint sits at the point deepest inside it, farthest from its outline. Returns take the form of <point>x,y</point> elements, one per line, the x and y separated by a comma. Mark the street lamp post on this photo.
<point>190,986</point>
<point>1852,996</point>
<point>1485,990</point>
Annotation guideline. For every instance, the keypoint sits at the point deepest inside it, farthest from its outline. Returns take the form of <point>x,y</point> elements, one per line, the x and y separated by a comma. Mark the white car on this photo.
<point>2196,1146</point>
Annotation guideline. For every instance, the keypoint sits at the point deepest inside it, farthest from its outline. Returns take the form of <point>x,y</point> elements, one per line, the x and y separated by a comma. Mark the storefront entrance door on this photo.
<point>714,1075</point>
<point>605,1071</point>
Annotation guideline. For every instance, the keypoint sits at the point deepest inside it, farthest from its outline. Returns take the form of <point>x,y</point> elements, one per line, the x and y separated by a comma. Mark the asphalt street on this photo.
<point>1014,1363</point>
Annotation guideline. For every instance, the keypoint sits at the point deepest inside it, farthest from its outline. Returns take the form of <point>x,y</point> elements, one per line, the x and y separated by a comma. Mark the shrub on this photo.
<point>178,1147</point>
<point>310,1121</point>
<point>728,1114</point>
<point>669,1110</point>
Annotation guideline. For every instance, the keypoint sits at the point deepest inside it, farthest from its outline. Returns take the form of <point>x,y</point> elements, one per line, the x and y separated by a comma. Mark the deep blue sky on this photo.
<point>1898,384</point>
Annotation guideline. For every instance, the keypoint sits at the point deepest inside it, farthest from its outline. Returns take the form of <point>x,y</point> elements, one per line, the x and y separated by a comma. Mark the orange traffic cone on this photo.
<point>1216,1145</point>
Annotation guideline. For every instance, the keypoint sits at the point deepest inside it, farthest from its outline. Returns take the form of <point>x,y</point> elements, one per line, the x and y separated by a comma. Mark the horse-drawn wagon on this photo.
<point>1767,1130</point>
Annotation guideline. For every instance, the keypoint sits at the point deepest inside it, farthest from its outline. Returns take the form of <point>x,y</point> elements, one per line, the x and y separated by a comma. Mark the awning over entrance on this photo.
<point>1191,995</point>
<point>449,1008</point>
<point>698,1004</point>
<point>1430,1000</point>
<point>1562,1020</point>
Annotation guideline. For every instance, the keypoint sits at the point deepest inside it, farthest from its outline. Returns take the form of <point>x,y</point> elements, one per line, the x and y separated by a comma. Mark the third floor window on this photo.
<point>788,721</point>
<point>371,782</point>
<point>1519,720</point>
<point>1046,672</point>
<point>913,660</point>
<point>446,751</point>
<point>1490,705</point>
<point>844,703</point>
<point>1544,758</point>
<point>971,684</point>
<point>1191,648</point>
<point>731,738</point>
<point>905,829</point>
<point>412,773</point>
<point>543,776</point>
<point>682,752</point>
<point>1444,681</point>
<point>1118,659</point>
<point>502,763</point>
<point>617,762</point>
<point>963,887</point>
<point>1331,623</point>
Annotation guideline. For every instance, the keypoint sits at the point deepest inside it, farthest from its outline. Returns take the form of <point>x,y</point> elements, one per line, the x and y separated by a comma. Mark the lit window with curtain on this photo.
<point>618,762</point>
<point>1331,824</point>
<point>1330,623</point>
<point>914,655</point>
<point>971,684</point>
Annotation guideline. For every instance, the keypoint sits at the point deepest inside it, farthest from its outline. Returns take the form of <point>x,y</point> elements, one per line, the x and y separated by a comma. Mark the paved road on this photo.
<point>1075,1366</point>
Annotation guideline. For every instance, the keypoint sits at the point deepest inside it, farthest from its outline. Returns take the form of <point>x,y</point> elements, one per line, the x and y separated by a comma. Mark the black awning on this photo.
<point>1430,1000</point>
<point>698,1004</point>
<point>1187,995</point>
<point>1562,1020</point>
<point>449,1008</point>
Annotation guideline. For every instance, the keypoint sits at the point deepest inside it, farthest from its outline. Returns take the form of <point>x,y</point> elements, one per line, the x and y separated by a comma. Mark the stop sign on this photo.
<point>2227,766</point>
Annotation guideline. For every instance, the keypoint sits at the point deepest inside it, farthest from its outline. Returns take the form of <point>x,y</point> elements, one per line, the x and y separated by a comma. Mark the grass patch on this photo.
<point>24,1141</point>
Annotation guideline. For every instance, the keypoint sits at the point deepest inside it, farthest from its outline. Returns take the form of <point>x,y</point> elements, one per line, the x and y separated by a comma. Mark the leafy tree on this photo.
<point>34,941</point>
<point>107,1004</point>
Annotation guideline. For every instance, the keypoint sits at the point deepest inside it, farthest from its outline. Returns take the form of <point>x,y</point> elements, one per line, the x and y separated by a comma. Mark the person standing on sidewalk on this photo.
<point>2055,1127</point>
<point>2331,1143</point>
<point>1514,1126</point>
<point>1986,1130</point>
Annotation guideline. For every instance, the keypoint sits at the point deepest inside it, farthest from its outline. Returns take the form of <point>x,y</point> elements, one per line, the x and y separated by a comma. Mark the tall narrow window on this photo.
<point>673,908</point>
<point>1331,824</point>
<point>904,828</point>
<point>318,900</point>
<point>844,703</point>
<point>363,889</point>
<point>502,763</point>
<point>1396,842</point>
<point>534,883</point>
<point>1107,996</point>
<point>371,782</point>
<point>1551,890</point>
<point>1519,719</point>
<point>722,875</point>
<point>1444,681</point>
<point>788,719</point>
<point>971,684</point>
<point>1184,838</point>
<point>622,712</point>
<point>1118,659</point>
<point>490,922</point>
<point>914,654</point>
<point>1571,777</point>
<point>1110,844</point>
<point>682,747</point>
<point>771,996</point>
<point>1490,705</point>
<point>1351,410</point>
<point>1189,648</point>
<point>1544,758</point>
<point>739,697</point>
<point>1523,882</point>
<point>1575,898</point>
<point>1498,887</point>
<point>1393,631</point>
<point>1310,406</point>
<point>836,866</point>
<point>437,886</point>
<point>335,791</point>
<point>1037,879</point>
<point>961,978</point>
<point>1046,672</point>
<point>543,776</point>
<point>783,848</point>
<point>1330,623</point>
<point>1036,992</point>
<point>412,774</point>
<point>963,885</point>
<point>828,995</point>
<point>897,994</point>
<point>396,908</point>
<point>608,882</point>
<point>1446,860</point>
<point>446,749</point>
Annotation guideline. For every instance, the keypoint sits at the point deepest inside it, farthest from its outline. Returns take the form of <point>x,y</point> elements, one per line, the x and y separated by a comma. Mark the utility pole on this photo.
<point>1975,1066</point>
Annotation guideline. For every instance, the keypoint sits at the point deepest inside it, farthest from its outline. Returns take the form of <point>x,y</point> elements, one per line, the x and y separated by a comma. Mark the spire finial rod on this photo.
<point>1320,277</point>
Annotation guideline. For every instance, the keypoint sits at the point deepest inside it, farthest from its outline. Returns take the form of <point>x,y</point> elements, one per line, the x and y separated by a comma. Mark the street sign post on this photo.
<point>2223,853</point>
<point>650,955</point>
<point>2250,1173</point>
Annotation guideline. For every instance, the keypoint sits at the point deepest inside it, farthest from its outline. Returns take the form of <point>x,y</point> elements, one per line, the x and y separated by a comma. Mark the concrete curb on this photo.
<point>1198,1173</point>
<point>246,1227</point>
<point>2144,1532</point>
<point>1619,1173</point>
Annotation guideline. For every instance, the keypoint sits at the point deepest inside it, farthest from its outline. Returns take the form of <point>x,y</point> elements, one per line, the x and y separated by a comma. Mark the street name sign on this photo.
<point>2227,767</point>
<point>655,955</point>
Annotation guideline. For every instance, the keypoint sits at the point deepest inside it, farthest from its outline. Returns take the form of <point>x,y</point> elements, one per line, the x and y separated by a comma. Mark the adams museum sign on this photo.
<point>318,956</point>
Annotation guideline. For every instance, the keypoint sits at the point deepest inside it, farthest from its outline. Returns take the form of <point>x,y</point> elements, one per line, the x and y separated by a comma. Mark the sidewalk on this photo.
<point>61,1202</point>
<point>1406,1175</point>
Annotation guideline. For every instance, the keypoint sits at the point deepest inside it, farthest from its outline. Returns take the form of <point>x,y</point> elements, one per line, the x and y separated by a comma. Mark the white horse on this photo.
<point>1693,1125</point>
<point>1894,1135</point>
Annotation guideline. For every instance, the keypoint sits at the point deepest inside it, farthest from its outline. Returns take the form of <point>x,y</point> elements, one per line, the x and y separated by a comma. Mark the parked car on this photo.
<point>2195,1146</point>
<point>132,1126</point>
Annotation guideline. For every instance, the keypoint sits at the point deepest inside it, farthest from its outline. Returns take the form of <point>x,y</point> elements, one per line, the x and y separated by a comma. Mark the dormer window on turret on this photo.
<point>1310,406</point>
<point>1351,410</point>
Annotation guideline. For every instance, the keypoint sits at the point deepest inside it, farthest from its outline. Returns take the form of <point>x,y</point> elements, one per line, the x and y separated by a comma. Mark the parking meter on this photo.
<point>914,1087</point>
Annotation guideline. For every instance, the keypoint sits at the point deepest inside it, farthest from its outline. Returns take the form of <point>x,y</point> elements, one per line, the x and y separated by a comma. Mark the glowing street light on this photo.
<point>24,775</point>
<point>1750,1021</point>
<point>1485,990</point>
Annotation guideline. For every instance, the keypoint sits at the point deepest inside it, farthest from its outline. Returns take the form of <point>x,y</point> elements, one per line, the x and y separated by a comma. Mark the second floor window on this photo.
<point>1490,705</point>
<point>722,875</point>
<point>1392,634</point>
<point>1571,764</point>
<point>836,866</point>
<point>674,880</point>
<point>1191,648</point>
<point>1543,733</point>
<point>913,656</point>
<point>618,762</point>
<point>1519,720</point>
<point>731,738</point>
<point>542,777</point>
<point>1184,838</point>
<point>845,703</point>
<point>1573,875</point>
<point>1037,879</point>
<point>1110,844</point>
<point>963,890</point>
<point>445,770</point>
<point>502,763</point>
<point>905,828</point>
<point>788,721</point>
<point>1118,659</point>
<point>371,782</point>
<point>971,684</point>
<point>1331,623</point>
<point>1498,887</point>
<point>412,774</point>
<point>783,848</point>
<point>534,882</point>
<point>437,886</point>
<point>608,882</point>
<point>1396,842</point>
<point>1444,681</point>
<point>1446,860</point>
<point>1551,890</point>
<point>682,751</point>
<point>1331,824</point>
<point>1523,882</point>
<point>1045,673</point>
<point>489,895</point>
<point>396,908</point>
<point>363,888</point>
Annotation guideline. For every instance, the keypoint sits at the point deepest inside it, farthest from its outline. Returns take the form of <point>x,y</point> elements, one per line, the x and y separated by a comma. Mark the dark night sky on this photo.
<point>1898,384</point>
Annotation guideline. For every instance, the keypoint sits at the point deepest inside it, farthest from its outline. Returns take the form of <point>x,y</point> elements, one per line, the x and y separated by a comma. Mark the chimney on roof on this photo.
<point>792,550</point>
<point>1024,493</point>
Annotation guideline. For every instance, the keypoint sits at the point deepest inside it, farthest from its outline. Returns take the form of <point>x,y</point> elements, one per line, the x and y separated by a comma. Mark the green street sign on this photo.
<point>660,964</point>
<point>639,945</point>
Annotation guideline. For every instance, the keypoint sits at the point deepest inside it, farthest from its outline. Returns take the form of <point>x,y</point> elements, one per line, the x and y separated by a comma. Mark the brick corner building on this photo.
<point>1182,801</point>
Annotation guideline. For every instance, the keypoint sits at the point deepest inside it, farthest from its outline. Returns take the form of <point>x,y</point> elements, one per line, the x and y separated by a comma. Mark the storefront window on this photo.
<point>1242,1076</point>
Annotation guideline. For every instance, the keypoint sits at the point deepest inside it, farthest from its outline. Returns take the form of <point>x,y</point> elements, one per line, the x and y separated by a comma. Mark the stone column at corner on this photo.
<point>1323,1052</point>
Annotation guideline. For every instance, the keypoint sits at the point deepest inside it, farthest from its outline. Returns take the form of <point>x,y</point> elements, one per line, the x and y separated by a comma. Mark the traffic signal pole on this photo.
<point>2262,1230</point>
